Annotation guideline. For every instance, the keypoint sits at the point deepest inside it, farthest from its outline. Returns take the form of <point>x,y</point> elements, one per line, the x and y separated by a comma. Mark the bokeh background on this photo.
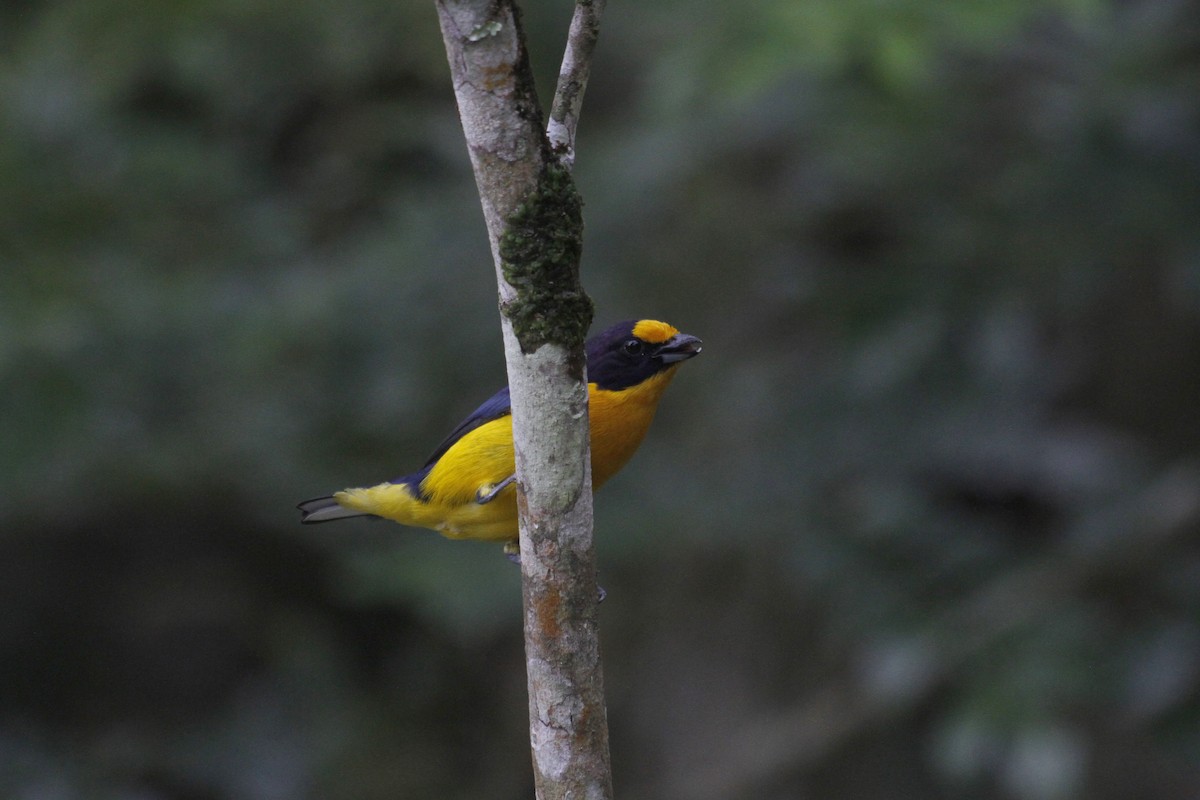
<point>920,523</point>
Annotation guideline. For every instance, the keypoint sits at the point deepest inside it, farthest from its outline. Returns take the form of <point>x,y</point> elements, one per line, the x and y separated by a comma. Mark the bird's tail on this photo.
<point>325,509</point>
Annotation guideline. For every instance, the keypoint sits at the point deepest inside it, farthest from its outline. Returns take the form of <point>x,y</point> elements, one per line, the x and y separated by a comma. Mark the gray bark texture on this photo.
<point>513,161</point>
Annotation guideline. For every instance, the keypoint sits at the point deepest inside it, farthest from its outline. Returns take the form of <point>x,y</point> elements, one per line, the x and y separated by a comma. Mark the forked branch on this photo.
<point>529,200</point>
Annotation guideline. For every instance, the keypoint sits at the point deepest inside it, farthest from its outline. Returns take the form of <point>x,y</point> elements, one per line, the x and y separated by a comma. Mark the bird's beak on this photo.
<point>679,347</point>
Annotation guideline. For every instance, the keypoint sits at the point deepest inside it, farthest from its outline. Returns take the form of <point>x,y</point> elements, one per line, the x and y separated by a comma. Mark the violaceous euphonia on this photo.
<point>466,489</point>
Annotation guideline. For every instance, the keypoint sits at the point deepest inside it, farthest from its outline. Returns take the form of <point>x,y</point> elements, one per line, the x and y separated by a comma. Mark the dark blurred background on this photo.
<point>920,523</point>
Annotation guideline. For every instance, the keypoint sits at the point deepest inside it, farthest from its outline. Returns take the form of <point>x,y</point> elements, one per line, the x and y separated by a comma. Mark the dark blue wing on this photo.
<point>496,406</point>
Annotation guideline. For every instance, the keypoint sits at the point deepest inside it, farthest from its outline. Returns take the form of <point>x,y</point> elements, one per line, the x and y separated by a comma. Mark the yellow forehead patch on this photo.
<point>653,332</point>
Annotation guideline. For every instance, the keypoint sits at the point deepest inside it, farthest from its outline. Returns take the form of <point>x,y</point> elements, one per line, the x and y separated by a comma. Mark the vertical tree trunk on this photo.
<point>535,228</point>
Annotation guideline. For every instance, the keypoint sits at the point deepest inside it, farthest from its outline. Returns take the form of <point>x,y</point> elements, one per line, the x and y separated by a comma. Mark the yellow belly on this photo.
<point>484,458</point>
<point>492,521</point>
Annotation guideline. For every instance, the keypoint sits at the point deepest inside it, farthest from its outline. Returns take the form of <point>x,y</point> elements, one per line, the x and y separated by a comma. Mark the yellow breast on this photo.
<point>619,421</point>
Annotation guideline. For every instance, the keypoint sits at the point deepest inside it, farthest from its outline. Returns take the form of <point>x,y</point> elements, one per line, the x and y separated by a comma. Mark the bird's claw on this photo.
<point>487,493</point>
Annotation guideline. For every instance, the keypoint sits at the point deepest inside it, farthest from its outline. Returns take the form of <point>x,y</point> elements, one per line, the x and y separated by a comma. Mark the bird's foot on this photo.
<point>487,493</point>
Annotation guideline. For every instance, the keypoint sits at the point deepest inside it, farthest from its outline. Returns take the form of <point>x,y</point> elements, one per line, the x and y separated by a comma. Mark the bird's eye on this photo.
<point>633,347</point>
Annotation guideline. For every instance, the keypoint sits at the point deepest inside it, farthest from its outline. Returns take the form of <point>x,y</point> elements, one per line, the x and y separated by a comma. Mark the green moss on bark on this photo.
<point>539,256</point>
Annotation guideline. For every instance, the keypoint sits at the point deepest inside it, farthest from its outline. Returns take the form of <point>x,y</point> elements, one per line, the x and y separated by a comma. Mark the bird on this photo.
<point>466,489</point>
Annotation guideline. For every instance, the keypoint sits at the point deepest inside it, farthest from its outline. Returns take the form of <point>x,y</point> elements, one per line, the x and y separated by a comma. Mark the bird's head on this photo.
<point>632,351</point>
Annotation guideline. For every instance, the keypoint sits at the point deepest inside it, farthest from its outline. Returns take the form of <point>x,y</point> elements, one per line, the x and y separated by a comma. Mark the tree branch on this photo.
<point>573,78</point>
<point>535,227</point>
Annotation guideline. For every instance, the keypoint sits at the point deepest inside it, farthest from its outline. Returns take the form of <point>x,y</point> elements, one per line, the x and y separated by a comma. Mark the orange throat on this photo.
<point>619,421</point>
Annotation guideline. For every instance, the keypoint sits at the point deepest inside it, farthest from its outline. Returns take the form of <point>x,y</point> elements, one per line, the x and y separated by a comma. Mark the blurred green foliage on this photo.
<point>937,462</point>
